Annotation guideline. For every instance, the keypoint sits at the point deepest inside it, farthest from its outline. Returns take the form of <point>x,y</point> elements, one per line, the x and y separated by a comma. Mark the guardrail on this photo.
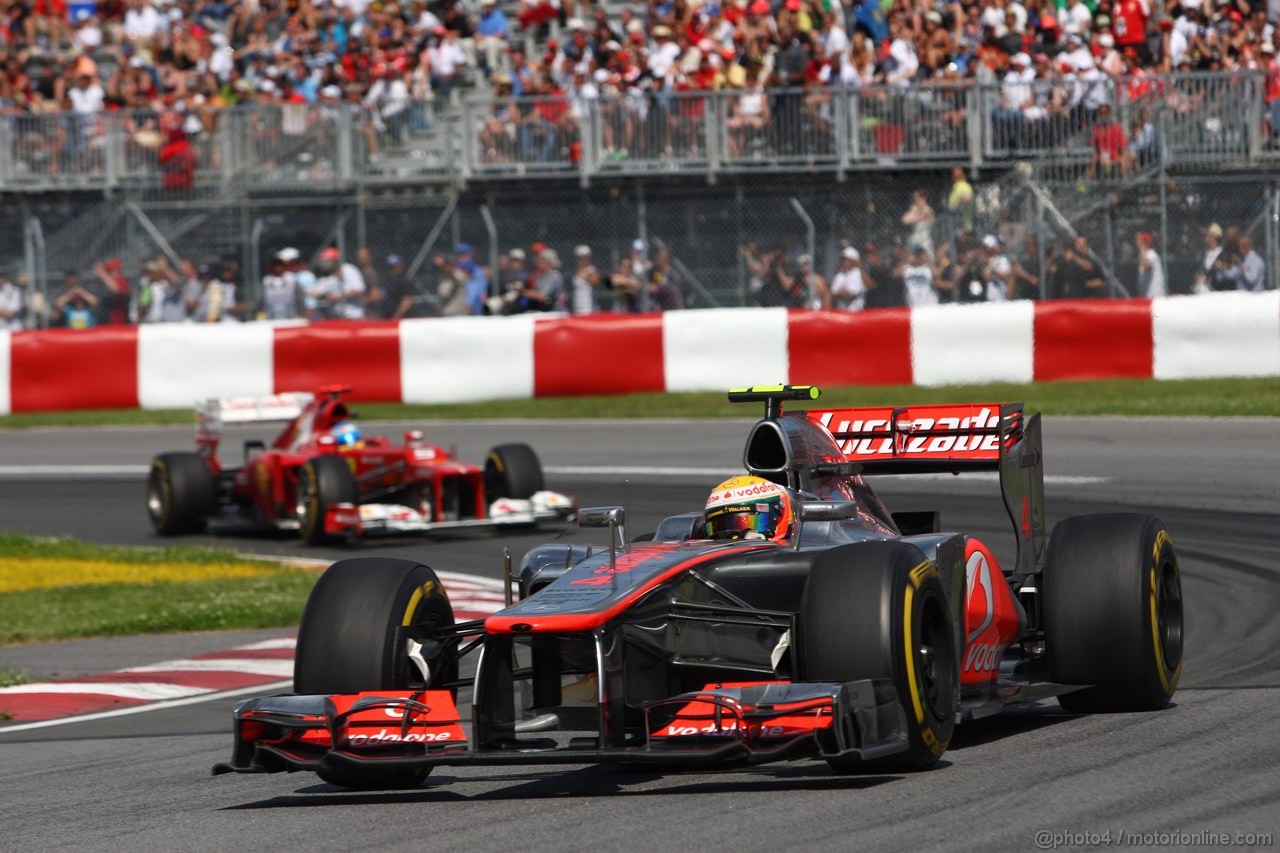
<point>1182,120</point>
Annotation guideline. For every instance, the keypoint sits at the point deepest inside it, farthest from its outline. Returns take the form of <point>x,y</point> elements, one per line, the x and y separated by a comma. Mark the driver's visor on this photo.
<point>736,520</point>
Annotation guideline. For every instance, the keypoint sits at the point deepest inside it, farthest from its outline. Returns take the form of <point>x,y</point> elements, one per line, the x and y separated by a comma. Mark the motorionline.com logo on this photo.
<point>1046,840</point>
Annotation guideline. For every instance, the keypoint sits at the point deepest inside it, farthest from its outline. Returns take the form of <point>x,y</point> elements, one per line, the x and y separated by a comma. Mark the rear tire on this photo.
<point>852,626</point>
<point>323,482</point>
<point>1113,612</point>
<point>352,639</point>
<point>512,471</point>
<point>180,495</point>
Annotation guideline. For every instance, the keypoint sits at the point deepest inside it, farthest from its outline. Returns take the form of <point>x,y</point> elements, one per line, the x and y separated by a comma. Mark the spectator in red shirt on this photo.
<point>177,161</point>
<point>1129,25</point>
<point>116,304</point>
<point>1109,144</point>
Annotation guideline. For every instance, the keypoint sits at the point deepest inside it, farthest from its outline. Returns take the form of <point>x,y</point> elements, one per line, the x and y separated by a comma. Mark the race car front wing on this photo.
<point>754,722</point>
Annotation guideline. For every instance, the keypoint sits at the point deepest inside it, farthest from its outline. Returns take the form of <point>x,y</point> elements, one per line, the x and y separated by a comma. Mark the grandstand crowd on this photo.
<point>170,56</point>
<point>910,270</point>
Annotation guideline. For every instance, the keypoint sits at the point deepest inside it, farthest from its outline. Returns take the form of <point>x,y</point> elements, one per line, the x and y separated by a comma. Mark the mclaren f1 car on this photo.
<point>831,630</point>
<point>322,477</point>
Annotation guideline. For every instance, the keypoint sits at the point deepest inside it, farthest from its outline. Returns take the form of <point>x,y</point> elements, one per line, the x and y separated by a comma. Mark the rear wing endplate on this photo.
<point>954,439</point>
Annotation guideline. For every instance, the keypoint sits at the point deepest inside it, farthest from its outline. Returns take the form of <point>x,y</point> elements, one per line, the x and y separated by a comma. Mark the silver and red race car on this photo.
<point>322,477</point>
<point>847,634</point>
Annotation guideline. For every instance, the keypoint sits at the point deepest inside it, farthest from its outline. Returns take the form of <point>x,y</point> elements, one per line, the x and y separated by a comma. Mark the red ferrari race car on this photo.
<point>322,477</point>
<point>792,617</point>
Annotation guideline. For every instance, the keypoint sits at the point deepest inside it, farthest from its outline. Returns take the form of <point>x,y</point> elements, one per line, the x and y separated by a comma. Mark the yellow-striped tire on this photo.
<point>355,635</point>
<point>1113,612</point>
<point>878,610</point>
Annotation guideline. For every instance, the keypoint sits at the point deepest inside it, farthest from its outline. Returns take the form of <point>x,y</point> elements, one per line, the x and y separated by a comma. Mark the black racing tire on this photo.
<point>853,625</point>
<point>323,482</point>
<point>180,496</point>
<point>352,638</point>
<point>1113,612</point>
<point>512,471</point>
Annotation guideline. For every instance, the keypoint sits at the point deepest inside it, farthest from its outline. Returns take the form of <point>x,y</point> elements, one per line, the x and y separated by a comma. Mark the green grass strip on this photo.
<point>1125,397</point>
<point>273,598</point>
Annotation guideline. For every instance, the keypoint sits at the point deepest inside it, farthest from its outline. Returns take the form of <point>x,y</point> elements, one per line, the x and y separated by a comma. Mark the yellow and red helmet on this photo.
<point>749,508</point>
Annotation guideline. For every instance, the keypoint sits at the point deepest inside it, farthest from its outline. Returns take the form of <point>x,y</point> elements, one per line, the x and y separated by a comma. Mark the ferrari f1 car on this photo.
<point>850,635</point>
<point>323,478</point>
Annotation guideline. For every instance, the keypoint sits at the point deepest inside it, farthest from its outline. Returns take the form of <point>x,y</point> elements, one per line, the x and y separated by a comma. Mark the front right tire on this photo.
<point>354,637</point>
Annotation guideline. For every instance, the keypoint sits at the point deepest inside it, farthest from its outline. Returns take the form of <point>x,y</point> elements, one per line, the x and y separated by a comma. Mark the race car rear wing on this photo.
<point>954,439</point>
<point>211,415</point>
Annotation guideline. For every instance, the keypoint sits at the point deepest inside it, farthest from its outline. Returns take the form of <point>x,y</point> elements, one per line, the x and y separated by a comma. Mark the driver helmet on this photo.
<point>749,507</point>
<point>346,434</point>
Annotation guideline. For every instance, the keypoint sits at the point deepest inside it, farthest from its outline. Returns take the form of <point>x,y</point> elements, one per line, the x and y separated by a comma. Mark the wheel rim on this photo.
<point>935,660</point>
<point>407,675</point>
<point>1169,614</point>
<point>157,496</point>
<point>306,495</point>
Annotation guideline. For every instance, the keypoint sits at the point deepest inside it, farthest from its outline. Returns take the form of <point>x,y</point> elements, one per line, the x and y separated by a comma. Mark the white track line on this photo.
<point>144,691</point>
<point>261,689</point>
<point>248,666</point>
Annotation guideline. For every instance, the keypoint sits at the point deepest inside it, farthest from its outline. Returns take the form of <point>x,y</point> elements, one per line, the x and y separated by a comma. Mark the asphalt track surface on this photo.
<point>1209,763</point>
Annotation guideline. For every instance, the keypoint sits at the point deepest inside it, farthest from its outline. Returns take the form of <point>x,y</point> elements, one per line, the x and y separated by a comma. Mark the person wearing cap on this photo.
<point>849,285</point>
<point>917,278</point>
<point>585,280</point>
<point>814,284</point>
<point>116,298</point>
<point>281,299</point>
<point>476,279</point>
<point>1150,267</point>
<point>76,307</point>
<point>13,303</point>
<point>339,288</point>
<point>999,270</point>
<point>547,292</point>
<point>1209,276</point>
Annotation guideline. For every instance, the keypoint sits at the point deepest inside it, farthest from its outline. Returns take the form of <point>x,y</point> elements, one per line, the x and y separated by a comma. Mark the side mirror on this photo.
<point>828,510</point>
<point>612,517</point>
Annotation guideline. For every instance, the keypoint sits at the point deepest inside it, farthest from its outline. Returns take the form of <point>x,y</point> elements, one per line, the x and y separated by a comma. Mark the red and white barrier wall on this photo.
<point>481,358</point>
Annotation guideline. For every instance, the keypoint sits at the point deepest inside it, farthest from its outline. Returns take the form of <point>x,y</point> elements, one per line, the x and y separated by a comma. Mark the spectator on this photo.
<point>1076,274</point>
<point>75,307</point>
<point>547,292</point>
<point>476,279</point>
<point>664,284</point>
<point>884,287</point>
<point>849,286</point>
<point>374,296</point>
<point>1253,271</point>
<point>177,160</point>
<point>116,300</point>
<point>1210,274</point>
<point>999,271</point>
<point>586,278</point>
<point>960,200</point>
<point>397,284</point>
<point>1150,269</point>
<point>13,304</point>
<point>281,298</point>
<point>917,279</point>
<point>451,291</point>
<point>1109,144</point>
<point>814,284</point>
<point>159,297</point>
<point>218,302</point>
<point>340,288</point>
<point>492,32</point>
<point>919,219</point>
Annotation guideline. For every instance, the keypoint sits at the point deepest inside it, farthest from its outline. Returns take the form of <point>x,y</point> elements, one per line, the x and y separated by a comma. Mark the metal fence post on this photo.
<point>811,241</point>
<point>346,146</point>
<point>976,124</point>
<point>843,100</point>
<point>711,113</point>
<point>492,228</point>
<point>1111,253</point>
